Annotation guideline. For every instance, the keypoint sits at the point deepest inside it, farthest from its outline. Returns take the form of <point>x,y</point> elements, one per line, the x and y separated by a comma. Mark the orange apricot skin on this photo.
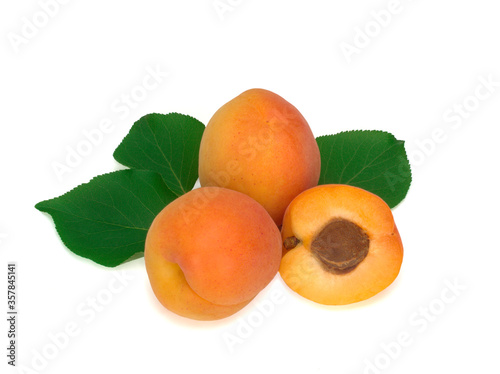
<point>260,144</point>
<point>306,216</point>
<point>210,252</point>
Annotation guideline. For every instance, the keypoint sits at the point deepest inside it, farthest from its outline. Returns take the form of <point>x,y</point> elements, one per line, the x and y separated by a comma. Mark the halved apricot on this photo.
<point>340,245</point>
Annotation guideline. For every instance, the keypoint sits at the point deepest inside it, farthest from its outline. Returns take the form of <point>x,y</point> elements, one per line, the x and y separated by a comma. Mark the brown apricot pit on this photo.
<point>340,246</point>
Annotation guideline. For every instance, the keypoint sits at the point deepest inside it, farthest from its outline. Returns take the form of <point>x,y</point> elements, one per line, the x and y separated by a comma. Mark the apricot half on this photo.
<point>210,252</point>
<point>260,144</point>
<point>340,245</point>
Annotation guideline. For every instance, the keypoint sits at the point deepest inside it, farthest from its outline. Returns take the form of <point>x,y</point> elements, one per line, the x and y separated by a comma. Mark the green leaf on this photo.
<point>373,160</point>
<point>166,143</point>
<point>107,219</point>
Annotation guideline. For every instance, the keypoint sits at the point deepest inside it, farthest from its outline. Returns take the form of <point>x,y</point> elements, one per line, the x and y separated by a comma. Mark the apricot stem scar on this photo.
<point>291,242</point>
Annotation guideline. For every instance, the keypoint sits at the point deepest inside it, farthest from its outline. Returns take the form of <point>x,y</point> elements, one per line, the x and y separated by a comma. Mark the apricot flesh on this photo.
<point>210,252</point>
<point>341,245</point>
<point>260,144</point>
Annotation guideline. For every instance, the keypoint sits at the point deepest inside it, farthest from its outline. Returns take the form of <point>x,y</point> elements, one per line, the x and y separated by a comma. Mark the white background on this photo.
<point>413,76</point>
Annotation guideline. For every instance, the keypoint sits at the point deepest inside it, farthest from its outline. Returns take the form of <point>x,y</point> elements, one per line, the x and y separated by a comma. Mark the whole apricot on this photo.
<point>260,144</point>
<point>210,252</point>
<point>340,245</point>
